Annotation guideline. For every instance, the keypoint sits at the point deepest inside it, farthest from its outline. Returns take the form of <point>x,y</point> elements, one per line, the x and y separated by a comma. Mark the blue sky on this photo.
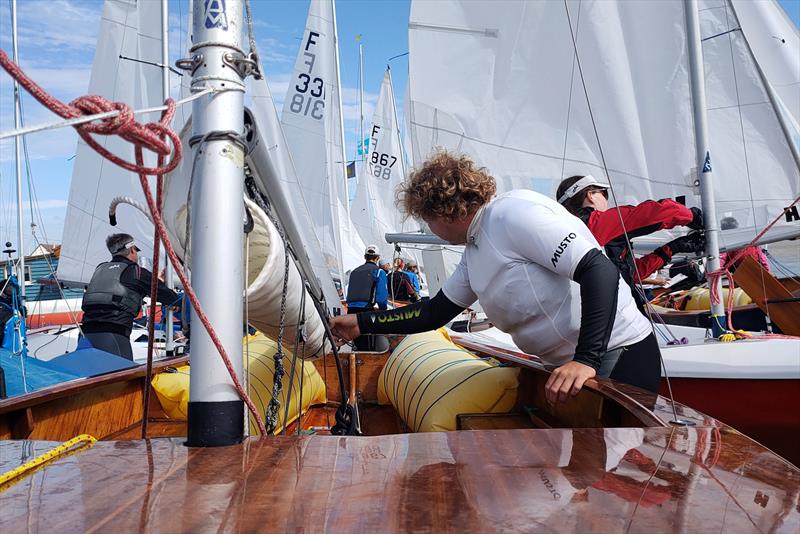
<point>56,46</point>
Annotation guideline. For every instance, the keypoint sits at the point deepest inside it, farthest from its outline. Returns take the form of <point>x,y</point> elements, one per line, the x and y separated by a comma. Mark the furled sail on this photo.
<point>270,164</point>
<point>264,254</point>
<point>502,84</point>
<point>374,211</point>
<point>312,122</point>
<point>268,127</point>
<point>131,29</point>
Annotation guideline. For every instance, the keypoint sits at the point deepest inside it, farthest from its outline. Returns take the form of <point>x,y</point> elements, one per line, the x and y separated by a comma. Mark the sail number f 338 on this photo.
<point>309,96</point>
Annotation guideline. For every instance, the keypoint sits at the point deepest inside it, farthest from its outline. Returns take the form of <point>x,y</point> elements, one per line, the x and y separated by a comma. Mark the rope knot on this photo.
<point>94,104</point>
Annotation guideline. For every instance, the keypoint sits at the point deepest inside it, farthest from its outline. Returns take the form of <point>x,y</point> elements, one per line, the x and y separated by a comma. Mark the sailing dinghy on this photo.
<point>612,458</point>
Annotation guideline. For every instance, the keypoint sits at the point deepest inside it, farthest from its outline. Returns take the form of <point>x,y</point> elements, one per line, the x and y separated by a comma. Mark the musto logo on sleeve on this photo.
<point>399,315</point>
<point>562,247</point>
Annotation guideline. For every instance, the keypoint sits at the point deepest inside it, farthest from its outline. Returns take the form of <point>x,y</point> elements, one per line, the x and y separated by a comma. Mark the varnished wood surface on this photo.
<point>156,428</point>
<point>100,411</point>
<point>601,402</point>
<point>102,406</point>
<point>368,368</point>
<point>587,480</point>
<point>761,285</point>
<point>81,384</point>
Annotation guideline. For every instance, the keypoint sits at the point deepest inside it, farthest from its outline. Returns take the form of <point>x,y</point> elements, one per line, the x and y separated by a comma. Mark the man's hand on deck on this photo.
<point>566,381</point>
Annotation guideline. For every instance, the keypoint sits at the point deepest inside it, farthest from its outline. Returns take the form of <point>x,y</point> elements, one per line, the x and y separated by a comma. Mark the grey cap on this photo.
<point>120,243</point>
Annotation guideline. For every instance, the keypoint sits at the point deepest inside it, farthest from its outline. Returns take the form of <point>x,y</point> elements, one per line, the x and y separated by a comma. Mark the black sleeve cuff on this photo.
<point>587,359</point>
<point>664,253</point>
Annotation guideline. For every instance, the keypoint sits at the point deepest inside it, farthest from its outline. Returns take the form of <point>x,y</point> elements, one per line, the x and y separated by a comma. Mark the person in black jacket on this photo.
<point>401,288</point>
<point>587,198</point>
<point>114,297</point>
<point>366,290</point>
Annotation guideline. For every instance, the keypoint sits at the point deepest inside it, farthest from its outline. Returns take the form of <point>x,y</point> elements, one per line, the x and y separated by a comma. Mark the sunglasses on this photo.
<point>603,192</point>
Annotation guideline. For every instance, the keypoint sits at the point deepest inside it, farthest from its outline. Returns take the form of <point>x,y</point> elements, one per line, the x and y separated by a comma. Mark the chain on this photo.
<point>277,384</point>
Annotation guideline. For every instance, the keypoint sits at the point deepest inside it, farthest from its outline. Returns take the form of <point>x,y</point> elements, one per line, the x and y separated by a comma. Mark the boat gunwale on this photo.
<point>79,385</point>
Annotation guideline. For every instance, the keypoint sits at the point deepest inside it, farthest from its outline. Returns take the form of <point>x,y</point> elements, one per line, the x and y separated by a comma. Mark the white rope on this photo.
<point>97,116</point>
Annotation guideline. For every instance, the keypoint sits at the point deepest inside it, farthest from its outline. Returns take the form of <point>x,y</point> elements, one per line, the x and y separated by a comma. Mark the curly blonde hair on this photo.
<point>448,186</point>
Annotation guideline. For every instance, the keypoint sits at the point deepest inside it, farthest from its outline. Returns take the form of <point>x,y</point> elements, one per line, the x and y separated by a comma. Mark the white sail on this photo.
<point>775,41</point>
<point>374,211</point>
<point>755,173</point>
<point>269,127</point>
<point>131,29</point>
<point>312,122</point>
<point>269,163</point>
<point>501,83</point>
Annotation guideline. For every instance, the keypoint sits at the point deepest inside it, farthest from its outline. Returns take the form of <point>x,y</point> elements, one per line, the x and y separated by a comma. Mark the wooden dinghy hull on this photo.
<point>656,479</point>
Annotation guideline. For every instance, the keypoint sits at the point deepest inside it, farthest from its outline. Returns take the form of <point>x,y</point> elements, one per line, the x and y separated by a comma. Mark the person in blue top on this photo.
<point>411,271</point>
<point>367,290</point>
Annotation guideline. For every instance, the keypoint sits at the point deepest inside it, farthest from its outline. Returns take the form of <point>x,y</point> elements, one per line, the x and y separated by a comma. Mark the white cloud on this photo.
<point>57,25</point>
<point>41,205</point>
<point>66,82</point>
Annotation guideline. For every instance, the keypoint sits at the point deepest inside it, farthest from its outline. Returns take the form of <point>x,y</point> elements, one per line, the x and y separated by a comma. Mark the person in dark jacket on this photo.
<point>114,297</point>
<point>367,290</point>
<point>401,288</point>
<point>413,274</point>
<point>587,199</point>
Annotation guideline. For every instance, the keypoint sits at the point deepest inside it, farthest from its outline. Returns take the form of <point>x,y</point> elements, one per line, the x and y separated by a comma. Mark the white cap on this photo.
<point>579,186</point>
<point>371,250</point>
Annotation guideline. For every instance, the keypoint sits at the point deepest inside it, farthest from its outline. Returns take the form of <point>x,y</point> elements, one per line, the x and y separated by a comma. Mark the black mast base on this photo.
<point>215,424</point>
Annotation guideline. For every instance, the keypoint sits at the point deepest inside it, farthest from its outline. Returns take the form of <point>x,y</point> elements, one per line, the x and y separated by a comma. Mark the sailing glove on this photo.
<point>697,219</point>
<point>694,243</point>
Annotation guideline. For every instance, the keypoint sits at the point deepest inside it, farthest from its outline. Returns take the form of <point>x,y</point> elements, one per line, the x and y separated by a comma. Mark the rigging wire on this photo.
<point>744,147</point>
<point>83,119</point>
<point>246,378</point>
<point>649,314</point>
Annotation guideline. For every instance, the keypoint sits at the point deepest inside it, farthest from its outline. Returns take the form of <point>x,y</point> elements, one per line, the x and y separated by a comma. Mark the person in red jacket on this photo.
<point>587,199</point>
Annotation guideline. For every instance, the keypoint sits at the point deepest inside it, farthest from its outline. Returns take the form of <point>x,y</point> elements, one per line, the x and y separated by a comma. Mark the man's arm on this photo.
<point>599,281</point>
<point>418,317</point>
<point>139,278</point>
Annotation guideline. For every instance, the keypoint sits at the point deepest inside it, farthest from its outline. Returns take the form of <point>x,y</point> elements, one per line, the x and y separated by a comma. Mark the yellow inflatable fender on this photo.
<point>430,380</point>
<point>698,298</point>
<point>172,389</point>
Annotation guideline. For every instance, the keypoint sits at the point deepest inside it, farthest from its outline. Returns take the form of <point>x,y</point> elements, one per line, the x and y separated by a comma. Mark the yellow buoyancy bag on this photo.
<point>697,298</point>
<point>173,388</point>
<point>430,380</point>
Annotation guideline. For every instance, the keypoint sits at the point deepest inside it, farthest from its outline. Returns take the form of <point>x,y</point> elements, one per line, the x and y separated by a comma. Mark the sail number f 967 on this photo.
<point>309,96</point>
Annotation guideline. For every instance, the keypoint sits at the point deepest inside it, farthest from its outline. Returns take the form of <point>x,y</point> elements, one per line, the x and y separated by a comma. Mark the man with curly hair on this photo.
<point>539,273</point>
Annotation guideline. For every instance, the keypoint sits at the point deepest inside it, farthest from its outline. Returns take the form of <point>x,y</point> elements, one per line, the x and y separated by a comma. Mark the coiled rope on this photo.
<point>715,282</point>
<point>153,137</point>
<point>52,454</point>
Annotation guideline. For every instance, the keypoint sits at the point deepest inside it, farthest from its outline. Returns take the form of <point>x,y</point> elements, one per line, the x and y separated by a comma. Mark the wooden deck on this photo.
<point>606,461</point>
<point>590,480</point>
